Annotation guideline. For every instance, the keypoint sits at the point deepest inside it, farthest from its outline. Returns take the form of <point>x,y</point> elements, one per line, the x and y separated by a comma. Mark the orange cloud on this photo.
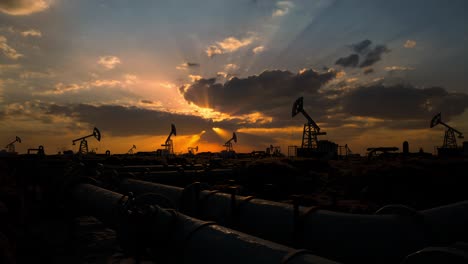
<point>109,62</point>
<point>8,51</point>
<point>228,45</point>
<point>23,7</point>
<point>409,44</point>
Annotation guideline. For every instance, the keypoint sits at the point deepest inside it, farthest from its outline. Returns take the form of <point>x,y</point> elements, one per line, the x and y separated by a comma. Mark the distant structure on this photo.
<point>311,146</point>
<point>345,151</point>
<point>385,151</point>
<point>84,144</point>
<point>130,151</point>
<point>229,151</point>
<point>168,144</point>
<point>39,151</point>
<point>192,150</point>
<point>274,151</point>
<point>311,129</point>
<point>449,147</point>
<point>228,143</point>
<point>405,148</point>
<point>11,146</point>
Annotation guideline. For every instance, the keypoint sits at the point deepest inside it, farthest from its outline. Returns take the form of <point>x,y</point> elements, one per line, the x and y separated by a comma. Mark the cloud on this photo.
<point>370,55</point>
<point>350,61</point>
<point>258,49</point>
<point>62,88</point>
<point>5,67</point>
<point>23,7</point>
<point>228,45</point>
<point>231,67</point>
<point>374,55</point>
<point>409,44</point>
<point>362,46</point>
<point>186,65</point>
<point>213,50</point>
<point>392,69</point>
<point>32,33</point>
<point>271,93</point>
<point>368,71</point>
<point>109,62</point>
<point>37,75</point>
<point>126,121</point>
<point>403,102</point>
<point>222,74</point>
<point>194,78</point>
<point>8,51</point>
<point>167,85</point>
<point>282,8</point>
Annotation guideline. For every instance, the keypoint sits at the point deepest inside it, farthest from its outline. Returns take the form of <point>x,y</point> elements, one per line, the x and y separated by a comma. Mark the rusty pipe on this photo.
<point>187,239</point>
<point>386,238</point>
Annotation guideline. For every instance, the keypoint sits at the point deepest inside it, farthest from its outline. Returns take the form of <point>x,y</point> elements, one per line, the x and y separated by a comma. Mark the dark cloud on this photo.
<point>374,55</point>
<point>127,121</point>
<point>147,102</point>
<point>271,93</point>
<point>362,46</point>
<point>370,55</point>
<point>368,71</point>
<point>403,102</point>
<point>192,64</point>
<point>350,61</point>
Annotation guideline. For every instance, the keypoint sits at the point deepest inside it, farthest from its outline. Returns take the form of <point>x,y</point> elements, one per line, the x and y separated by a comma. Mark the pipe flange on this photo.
<point>400,210</point>
<point>154,199</point>
<point>449,255</point>
<point>293,254</point>
<point>189,198</point>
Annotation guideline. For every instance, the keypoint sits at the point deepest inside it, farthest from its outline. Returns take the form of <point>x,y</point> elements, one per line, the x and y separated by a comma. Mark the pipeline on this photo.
<point>172,237</point>
<point>387,237</point>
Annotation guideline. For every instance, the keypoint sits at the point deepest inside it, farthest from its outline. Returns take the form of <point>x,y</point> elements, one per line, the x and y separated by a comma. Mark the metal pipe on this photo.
<point>387,238</point>
<point>186,239</point>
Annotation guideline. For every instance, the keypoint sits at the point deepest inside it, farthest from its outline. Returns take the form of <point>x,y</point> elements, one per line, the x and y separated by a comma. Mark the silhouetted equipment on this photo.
<point>130,151</point>
<point>39,151</point>
<point>168,145</point>
<point>450,140</point>
<point>405,148</point>
<point>392,233</point>
<point>273,150</point>
<point>311,129</point>
<point>192,150</point>
<point>147,223</point>
<point>384,150</point>
<point>84,144</point>
<point>345,151</point>
<point>228,143</point>
<point>449,147</point>
<point>11,146</point>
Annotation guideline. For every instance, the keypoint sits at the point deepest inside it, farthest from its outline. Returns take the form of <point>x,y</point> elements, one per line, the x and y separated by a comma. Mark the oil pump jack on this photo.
<point>11,146</point>
<point>450,140</point>
<point>449,148</point>
<point>84,143</point>
<point>130,151</point>
<point>311,129</point>
<point>228,143</point>
<point>192,150</point>
<point>168,145</point>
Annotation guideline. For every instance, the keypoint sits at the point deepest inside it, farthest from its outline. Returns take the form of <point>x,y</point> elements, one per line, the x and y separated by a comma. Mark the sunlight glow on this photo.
<point>195,138</point>
<point>221,132</point>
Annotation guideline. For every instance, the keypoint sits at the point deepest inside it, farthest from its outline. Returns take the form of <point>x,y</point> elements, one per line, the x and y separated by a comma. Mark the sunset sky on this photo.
<point>372,72</point>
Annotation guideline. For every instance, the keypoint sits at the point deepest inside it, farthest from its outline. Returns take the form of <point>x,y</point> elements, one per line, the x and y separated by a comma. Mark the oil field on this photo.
<point>250,131</point>
<point>318,205</point>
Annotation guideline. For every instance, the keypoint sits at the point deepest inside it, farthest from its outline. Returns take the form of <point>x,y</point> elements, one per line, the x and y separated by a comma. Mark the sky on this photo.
<point>372,72</point>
